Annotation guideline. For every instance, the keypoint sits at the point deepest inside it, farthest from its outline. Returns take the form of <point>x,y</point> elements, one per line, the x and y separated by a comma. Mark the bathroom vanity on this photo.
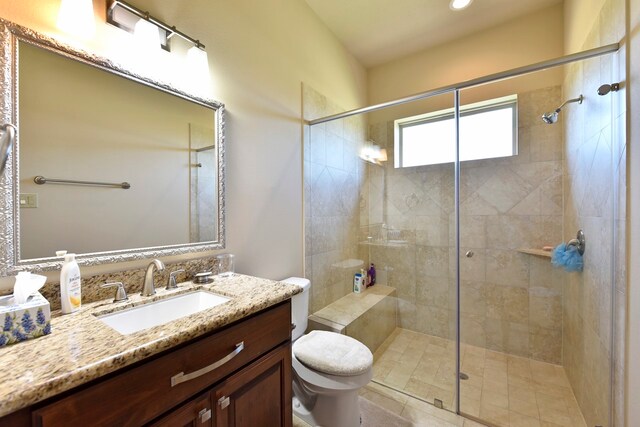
<point>225,365</point>
<point>235,373</point>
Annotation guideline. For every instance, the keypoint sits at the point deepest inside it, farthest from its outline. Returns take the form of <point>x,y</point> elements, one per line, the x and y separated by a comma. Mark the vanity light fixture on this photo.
<point>125,16</point>
<point>372,153</point>
<point>459,4</point>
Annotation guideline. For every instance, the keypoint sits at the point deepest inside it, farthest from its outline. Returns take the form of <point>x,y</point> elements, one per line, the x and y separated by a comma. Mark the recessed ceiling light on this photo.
<point>459,4</point>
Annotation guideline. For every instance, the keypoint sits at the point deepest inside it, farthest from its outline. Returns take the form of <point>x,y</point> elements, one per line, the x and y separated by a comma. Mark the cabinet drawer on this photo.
<point>140,394</point>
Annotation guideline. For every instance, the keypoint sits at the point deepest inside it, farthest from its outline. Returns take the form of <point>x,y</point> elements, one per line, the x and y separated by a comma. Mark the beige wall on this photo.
<point>259,52</point>
<point>633,322</point>
<point>532,38</point>
<point>579,17</point>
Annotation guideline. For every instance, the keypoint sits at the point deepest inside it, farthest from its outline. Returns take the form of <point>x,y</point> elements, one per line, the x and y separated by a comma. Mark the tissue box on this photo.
<point>21,322</point>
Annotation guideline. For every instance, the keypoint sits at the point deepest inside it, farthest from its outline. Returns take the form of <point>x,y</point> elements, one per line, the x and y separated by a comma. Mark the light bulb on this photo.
<point>197,58</point>
<point>459,4</point>
<point>146,34</point>
<point>198,69</point>
<point>76,17</point>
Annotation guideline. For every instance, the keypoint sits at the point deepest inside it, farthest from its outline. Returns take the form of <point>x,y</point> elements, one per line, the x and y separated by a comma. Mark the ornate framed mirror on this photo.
<point>107,163</point>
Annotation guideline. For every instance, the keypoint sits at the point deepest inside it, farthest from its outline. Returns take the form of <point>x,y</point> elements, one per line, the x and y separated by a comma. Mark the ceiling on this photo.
<point>379,31</point>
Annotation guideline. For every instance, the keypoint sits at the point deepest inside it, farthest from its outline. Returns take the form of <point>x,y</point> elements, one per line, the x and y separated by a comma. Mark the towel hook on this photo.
<point>579,242</point>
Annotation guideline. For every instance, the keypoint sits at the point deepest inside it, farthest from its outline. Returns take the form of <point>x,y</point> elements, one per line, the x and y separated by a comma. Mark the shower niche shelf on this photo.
<point>536,252</point>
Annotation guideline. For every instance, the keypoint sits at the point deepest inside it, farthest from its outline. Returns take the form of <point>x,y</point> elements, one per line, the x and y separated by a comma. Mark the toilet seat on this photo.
<point>317,352</point>
<point>326,383</point>
<point>333,354</point>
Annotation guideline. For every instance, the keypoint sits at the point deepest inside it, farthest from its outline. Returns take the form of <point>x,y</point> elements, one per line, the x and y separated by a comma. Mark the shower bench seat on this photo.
<point>370,317</point>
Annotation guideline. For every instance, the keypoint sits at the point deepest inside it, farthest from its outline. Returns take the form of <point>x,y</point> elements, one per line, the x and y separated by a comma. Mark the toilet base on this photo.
<point>331,410</point>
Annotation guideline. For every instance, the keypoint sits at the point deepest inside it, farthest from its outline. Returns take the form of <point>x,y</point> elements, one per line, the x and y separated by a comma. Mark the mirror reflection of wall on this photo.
<point>78,122</point>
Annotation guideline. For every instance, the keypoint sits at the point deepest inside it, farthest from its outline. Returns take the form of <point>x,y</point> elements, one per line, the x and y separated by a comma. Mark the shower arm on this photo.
<point>578,100</point>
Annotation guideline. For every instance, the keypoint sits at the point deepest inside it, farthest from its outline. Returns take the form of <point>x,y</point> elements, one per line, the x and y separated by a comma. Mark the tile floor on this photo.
<point>504,390</point>
<point>419,413</point>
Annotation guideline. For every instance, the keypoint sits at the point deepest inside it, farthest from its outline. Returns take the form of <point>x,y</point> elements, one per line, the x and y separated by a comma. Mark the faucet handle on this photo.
<point>171,283</point>
<point>121,294</point>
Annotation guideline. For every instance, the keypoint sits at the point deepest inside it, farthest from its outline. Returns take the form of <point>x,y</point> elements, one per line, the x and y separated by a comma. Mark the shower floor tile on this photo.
<point>504,390</point>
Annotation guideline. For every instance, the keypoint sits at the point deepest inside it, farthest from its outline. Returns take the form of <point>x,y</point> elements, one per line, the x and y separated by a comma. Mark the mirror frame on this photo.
<point>10,263</point>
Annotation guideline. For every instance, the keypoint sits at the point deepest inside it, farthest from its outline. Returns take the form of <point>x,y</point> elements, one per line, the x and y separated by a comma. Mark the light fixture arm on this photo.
<point>171,30</point>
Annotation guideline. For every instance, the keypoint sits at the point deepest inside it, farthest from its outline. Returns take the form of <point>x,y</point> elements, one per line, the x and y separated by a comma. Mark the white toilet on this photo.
<point>328,369</point>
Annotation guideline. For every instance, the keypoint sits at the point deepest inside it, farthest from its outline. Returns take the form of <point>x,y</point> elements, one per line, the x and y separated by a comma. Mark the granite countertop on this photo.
<point>81,348</point>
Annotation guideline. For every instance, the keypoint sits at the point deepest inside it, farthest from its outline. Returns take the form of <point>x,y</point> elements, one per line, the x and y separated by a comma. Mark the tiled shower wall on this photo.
<point>333,175</point>
<point>595,160</point>
<point>510,301</point>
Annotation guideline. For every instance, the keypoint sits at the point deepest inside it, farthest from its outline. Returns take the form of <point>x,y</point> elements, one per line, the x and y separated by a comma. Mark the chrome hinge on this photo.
<point>223,402</point>
<point>204,415</point>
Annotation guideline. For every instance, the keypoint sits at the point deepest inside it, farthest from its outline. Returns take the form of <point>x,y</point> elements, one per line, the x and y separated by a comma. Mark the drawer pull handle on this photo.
<point>204,415</point>
<point>224,402</point>
<point>182,377</point>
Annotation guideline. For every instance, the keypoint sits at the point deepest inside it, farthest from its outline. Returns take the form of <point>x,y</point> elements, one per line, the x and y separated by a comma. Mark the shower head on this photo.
<point>552,117</point>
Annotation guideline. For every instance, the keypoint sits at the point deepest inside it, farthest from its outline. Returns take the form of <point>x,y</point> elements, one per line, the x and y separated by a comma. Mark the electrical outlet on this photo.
<point>28,200</point>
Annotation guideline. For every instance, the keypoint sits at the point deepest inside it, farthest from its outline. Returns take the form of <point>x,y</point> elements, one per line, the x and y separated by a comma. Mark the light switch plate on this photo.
<point>28,200</point>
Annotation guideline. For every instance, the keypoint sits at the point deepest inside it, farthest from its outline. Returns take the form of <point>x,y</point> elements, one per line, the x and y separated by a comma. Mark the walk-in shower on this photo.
<point>468,313</point>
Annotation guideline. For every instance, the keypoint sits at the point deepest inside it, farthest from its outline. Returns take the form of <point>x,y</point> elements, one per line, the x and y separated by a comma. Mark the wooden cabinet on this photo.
<point>257,395</point>
<point>241,374</point>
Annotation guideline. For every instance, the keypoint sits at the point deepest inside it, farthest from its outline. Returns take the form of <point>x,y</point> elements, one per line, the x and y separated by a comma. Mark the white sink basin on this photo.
<point>160,312</point>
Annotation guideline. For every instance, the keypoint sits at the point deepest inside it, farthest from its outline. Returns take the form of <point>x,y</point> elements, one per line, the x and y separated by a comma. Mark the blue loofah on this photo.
<point>567,257</point>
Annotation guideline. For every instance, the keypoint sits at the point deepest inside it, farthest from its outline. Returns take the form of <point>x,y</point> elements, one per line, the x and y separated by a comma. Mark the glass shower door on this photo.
<point>528,341</point>
<point>406,222</point>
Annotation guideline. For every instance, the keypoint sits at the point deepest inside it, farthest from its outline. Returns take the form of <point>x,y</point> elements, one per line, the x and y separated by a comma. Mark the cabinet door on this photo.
<point>258,395</point>
<point>195,413</point>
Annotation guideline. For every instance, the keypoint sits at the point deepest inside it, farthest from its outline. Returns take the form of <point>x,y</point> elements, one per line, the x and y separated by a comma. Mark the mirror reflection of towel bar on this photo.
<point>42,180</point>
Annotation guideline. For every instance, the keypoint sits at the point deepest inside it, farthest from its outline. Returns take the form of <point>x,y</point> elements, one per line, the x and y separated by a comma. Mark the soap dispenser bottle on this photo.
<point>70,284</point>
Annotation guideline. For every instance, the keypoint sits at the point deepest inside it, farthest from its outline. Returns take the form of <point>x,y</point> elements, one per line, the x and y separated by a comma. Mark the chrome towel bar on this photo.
<point>41,180</point>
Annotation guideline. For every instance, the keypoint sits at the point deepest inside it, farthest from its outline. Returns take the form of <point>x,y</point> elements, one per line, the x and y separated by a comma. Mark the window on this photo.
<point>488,129</point>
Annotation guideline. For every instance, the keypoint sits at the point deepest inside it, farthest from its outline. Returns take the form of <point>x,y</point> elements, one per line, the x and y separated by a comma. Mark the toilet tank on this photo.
<point>299,306</point>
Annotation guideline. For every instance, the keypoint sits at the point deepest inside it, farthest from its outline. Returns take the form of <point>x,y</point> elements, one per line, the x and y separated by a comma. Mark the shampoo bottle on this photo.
<point>357,283</point>
<point>372,274</point>
<point>70,284</point>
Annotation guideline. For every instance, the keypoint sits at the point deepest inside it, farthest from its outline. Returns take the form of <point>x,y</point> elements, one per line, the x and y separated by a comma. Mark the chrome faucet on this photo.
<point>149,289</point>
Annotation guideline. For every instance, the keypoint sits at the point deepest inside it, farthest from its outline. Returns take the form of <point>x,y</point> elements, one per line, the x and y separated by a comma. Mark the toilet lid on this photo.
<point>332,353</point>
